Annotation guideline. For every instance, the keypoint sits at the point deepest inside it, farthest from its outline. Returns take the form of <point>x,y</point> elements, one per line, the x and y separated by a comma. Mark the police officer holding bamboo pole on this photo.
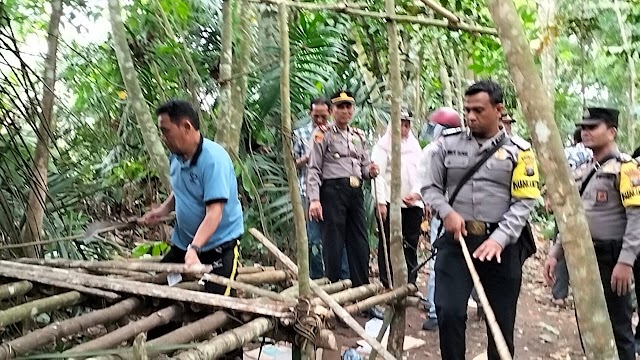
<point>338,164</point>
<point>483,184</point>
<point>609,185</point>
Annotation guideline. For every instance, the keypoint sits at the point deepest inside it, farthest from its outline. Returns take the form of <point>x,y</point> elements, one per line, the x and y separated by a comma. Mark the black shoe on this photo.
<point>430,324</point>
<point>480,313</point>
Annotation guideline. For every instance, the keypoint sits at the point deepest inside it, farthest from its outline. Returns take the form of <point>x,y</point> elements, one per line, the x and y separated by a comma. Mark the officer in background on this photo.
<point>338,163</point>
<point>610,190</point>
<point>506,120</point>
<point>490,211</point>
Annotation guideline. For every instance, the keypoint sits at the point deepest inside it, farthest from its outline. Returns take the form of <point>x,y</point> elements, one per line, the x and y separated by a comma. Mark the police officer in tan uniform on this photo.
<point>490,210</point>
<point>338,164</point>
<point>610,189</point>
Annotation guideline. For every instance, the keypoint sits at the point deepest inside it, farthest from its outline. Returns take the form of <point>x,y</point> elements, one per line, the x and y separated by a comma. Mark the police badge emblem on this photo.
<point>586,114</point>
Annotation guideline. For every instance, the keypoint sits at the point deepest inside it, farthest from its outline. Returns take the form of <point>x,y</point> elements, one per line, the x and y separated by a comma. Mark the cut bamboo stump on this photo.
<point>58,330</point>
<point>340,312</point>
<point>33,308</point>
<point>230,340</point>
<point>123,265</point>
<point>158,291</point>
<point>264,277</point>
<point>129,331</point>
<point>30,274</point>
<point>15,289</point>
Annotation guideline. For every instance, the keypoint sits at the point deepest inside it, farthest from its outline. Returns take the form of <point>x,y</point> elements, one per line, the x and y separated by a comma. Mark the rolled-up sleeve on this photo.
<point>314,171</point>
<point>631,239</point>
<point>434,186</point>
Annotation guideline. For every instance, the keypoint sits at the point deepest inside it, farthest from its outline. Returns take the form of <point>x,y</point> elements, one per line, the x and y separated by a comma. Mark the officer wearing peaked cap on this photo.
<point>489,207</point>
<point>609,185</point>
<point>338,163</point>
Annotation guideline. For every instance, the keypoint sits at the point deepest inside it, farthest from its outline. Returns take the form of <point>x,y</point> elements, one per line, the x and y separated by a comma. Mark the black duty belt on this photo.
<point>480,228</point>
<point>352,181</point>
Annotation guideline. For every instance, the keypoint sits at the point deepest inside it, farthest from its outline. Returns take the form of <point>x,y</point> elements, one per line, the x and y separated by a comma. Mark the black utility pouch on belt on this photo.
<point>526,242</point>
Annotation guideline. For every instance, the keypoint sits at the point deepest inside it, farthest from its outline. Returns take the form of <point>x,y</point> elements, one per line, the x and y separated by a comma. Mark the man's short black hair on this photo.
<point>577,136</point>
<point>636,153</point>
<point>179,109</point>
<point>319,101</point>
<point>490,87</point>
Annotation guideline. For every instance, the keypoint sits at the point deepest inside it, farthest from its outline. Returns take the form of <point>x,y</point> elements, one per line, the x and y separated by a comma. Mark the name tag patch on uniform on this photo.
<point>457,153</point>
<point>601,196</point>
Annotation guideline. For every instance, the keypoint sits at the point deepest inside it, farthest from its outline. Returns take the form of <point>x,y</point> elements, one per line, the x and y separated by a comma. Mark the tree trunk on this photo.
<point>399,268</point>
<point>241,63</point>
<point>36,276</point>
<point>307,350</point>
<point>547,10</point>
<point>148,127</point>
<point>445,80</point>
<point>230,340</point>
<point>60,329</point>
<point>11,290</point>
<point>38,184</point>
<point>595,327</point>
<point>458,80</point>
<point>337,309</point>
<point>33,308</point>
<point>129,331</point>
<point>629,51</point>
<point>224,126</point>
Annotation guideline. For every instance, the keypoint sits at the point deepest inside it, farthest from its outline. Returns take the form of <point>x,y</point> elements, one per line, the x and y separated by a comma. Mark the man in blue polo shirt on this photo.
<point>205,196</point>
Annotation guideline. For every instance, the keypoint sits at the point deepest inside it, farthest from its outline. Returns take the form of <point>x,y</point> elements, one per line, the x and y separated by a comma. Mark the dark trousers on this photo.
<point>344,226</point>
<point>224,259</point>
<point>560,289</point>
<point>501,283</point>
<point>636,277</point>
<point>411,218</point>
<point>619,307</point>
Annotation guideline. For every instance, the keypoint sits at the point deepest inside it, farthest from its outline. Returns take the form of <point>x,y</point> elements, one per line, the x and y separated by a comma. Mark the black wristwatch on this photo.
<point>197,248</point>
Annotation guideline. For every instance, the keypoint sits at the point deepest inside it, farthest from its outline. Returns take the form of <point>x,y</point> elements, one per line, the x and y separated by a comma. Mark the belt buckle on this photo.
<point>476,228</point>
<point>354,182</point>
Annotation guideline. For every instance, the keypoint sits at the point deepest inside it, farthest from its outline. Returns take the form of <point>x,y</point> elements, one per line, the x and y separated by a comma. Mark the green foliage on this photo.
<point>154,248</point>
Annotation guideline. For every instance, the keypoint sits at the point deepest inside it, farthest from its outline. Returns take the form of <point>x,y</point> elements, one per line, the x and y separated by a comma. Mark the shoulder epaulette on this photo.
<point>520,142</point>
<point>451,131</point>
<point>358,131</point>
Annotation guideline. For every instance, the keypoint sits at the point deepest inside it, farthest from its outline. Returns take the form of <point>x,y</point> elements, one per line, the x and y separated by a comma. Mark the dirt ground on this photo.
<point>543,330</point>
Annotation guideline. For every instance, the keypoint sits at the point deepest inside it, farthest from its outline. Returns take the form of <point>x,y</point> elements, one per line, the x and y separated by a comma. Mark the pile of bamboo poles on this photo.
<point>137,292</point>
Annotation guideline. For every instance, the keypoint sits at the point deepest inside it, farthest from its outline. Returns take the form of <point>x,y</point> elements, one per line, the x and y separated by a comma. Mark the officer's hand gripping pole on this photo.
<point>498,338</point>
<point>384,236</point>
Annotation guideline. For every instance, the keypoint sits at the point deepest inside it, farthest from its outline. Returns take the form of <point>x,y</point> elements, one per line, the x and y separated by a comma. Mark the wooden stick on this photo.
<point>342,314</point>
<point>435,6</point>
<point>230,340</point>
<point>190,285</point>
<point>388,316</point>
<point>378,15</point>
<point>15,289</point>
<point>134,275</point>
<point>36,276</point>
<point>385,298</point>
<point>254,269</point>
<point>124,265</point>
<point>114,338</point>
<point>385,247</point>
<point>60,329</point>
<point>264,277</point>
<point>293,290</point>
<point>251,289</point>
<point>158,291</point>
<point>33,308</point>
<point>501,344</point>
<point>333,287</point>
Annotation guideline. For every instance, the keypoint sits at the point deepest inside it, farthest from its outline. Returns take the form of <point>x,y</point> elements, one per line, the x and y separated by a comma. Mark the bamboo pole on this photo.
<point>33,308</point>
<point>386,298</point>
<point>129,331</point>
<point>124,265</point>
<point>293,290</point>
<point>335,287</point>
<point>230,340</point>
<point>351,295</point>
<point>35,276</point>
<point>133,275</point>
<point>340,312</point>
<point>190,285</point>
<point>254,269</point>
<point>265,277</point>
<point>344,8</point>
<point>595,326</point>
<point>435,6</point>
<point>158,291</point>
<point>245,287</point>
<point>60,329</point>
<point>15,289</point>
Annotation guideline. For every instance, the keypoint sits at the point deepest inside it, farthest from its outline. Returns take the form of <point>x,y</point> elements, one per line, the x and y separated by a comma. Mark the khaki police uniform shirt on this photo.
<point>336,154</point>
<point>503,190</point>
<point>612,204</point>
